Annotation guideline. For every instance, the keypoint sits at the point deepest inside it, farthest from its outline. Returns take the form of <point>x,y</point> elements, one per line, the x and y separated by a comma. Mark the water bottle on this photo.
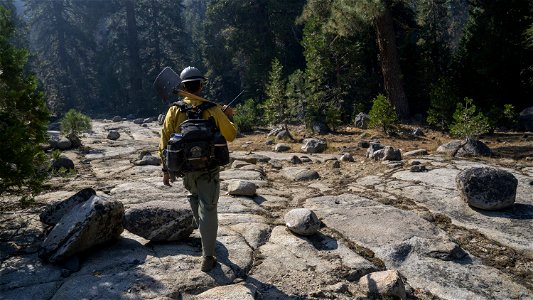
<point>175,153</point>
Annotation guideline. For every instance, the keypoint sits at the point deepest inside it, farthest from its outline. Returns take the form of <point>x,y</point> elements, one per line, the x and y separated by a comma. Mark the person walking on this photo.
<point>203,185</point>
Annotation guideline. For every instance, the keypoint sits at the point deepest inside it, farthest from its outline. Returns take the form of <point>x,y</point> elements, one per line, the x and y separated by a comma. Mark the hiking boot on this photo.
<point>209,263</point>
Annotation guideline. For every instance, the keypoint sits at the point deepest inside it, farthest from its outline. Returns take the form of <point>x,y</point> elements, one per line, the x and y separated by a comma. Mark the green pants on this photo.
<point>204,188</point>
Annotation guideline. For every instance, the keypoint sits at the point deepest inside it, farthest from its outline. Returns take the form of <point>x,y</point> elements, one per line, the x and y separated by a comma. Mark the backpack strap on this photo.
<point>193,112</point>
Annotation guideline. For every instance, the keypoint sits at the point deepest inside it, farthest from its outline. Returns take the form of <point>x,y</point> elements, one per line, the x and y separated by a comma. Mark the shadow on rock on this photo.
<point>268,291</point>
<point>519,211</point>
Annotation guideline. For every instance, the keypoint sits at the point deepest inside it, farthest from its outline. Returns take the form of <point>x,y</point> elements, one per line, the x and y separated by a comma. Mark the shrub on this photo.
<point>246,115</point>
<point>74,123</point>
<point>442,104</point>
<point>383,115</point>
<point>468,122</point>
<point>510,116</point>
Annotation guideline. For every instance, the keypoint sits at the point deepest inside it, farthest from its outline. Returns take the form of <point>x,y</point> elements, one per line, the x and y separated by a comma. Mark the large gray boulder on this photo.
<point>389,153</point>
<point>54,212</point>
<point>384,284</point>
<point>299,174</point>
<point>487,188</point>
<point>465,148</point>
<point>526,119</point>
<point>241,188</point>
<point>96,221</point>
<point>314,146</point>
<point>282,148</point>
<point>64,144</point>
<point>138,121</point>
<point>117,119</point>
<point>113,135</point>
<point>62,162</point>
<point>160,221</point>
<point>302,221</point>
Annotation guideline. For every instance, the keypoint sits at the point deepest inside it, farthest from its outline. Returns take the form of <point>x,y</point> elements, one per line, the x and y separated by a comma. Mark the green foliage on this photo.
<point>56,154</point>
<point>510,115</point>
<point>468,122</point>
<point>275,106</point>
<point>75,123</point>
<point>23,116</point>
<point>442,104</point>
<point>324,101</point>
<point>382,115</point>
<point>246,116</point>
<point>296,95</point>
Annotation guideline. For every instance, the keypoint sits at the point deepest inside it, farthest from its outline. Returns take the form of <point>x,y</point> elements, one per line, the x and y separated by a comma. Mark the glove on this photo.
<point>228,111</point>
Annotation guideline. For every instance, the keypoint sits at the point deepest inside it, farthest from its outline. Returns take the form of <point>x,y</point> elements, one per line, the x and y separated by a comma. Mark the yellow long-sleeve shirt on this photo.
<point>175,117</point>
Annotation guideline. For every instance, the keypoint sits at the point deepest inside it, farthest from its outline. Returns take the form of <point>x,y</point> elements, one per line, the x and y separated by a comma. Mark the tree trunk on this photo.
<point>390,63</point>
<point>64,90</point>
<point>134,59</point>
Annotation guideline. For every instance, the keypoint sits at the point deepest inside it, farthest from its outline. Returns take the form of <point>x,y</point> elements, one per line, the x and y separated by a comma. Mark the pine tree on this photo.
<point>23,116</point>
<point>349,16</point>
<point>275,106</point>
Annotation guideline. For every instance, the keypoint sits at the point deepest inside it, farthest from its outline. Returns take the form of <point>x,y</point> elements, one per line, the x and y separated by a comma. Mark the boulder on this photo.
<point>465,148</point>
<point>389,153</point>
<point>241,188</point>
<point>148,160</point>
<point>283,135</point>
<point>75,140</point>
<point>334,164</point>
<point>363,144</point>
<point>347,157</point>
<point>117,119</point>
<point>419,152</point>
<point>295,160</point>
<point>300,174</point>
<point>384,284</point>
<point>54,212</point>
<point>113,135</point>
<point>320,128</point>
<point>473,148</point>
<point>62,162</point>
<point>362,120</point>
<point>237,164</point>
<point>144,153</point>
<point>418,168</point>
<point>63,144</point>
<point>275,164</point>
<point>147,120</point>
<point>302,221</point>
<point>282,148</point>
<point>275,131</point>
<point>96,221</point>
<point>487,188</point>
<point>418,132</point>
<point>269,142</point>
<point>161,119</point>
<point>314,146</point>
<point>377,155</point>
<point>138,121</point>
<point>526,119</point>
<point>372,148</point>
<point>160,221</point>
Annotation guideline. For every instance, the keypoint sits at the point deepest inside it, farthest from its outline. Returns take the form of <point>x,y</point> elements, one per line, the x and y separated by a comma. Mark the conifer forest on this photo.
<point>334,56</point>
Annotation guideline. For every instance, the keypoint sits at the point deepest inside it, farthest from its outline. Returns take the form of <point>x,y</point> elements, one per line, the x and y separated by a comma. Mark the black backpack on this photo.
<point>199,145</point>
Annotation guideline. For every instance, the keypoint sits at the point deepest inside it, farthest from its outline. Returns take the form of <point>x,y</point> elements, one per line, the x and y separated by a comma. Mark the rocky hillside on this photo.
<point>375,216</point>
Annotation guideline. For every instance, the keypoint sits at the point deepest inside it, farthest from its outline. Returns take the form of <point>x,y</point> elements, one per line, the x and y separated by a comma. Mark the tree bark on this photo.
<point>390,63</point>
<point>134,59</point>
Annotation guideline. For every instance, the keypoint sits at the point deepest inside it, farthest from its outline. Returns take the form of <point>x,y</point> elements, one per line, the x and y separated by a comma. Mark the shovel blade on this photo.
<point>167,83</point>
